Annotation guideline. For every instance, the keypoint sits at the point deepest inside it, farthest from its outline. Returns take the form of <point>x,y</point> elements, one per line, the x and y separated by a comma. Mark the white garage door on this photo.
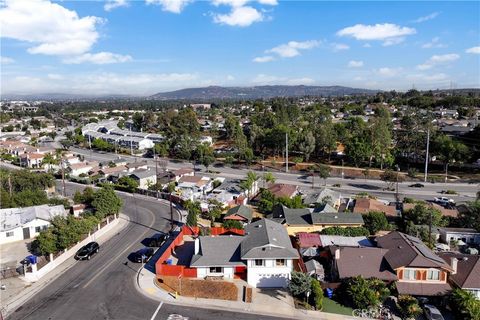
<point>272,281</point>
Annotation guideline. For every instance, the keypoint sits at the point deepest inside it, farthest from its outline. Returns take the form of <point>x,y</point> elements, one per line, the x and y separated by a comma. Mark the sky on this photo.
<point>147,46</point>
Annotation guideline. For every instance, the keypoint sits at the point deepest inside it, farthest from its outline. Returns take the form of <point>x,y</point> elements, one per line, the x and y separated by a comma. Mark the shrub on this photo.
<point>299,284</point>
<point>408,306</point>
<point>347,232</point>
<point>232,224</point>
<point>317,294</point>
<point>375,221</point>
<point>363,293</point>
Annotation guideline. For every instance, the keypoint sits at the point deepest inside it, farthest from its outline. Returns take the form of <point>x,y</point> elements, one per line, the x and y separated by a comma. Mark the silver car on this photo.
<point>432,313</point>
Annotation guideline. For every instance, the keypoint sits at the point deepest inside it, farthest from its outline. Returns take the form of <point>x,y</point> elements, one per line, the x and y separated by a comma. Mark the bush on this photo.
<point>465,305</point>
<point>232,224</point>
<point>408,306</point>
<point>347,232</point>
<point>317,294</point>
<point>363,293</point>
<point>299,284</point>
<point>375,221</point>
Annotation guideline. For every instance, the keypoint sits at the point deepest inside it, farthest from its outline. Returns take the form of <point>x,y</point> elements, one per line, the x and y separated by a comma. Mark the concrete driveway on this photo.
<point>12,253</point>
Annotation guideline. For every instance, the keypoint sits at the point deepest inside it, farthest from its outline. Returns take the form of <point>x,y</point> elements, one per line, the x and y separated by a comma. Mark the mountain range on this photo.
<point>257,92</point>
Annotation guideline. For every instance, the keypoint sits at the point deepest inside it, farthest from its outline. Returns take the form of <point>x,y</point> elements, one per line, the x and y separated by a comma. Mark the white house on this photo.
<point>25,223</point>
<point>193,187</point>
<point>145,178</point>
<point>265,253</point>
<point>77,169</point>
<point>467,235</point>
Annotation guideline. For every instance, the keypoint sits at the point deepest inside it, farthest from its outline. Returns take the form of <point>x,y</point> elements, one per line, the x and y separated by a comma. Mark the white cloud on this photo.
<point>263,59</point>
<point>293,48</point>
<point>6,60</point>
<point>102,83</point>
<point>239,16</point>
<point>367,45</point>
<point>387,32</point>
<point>339,47</point>
<point>475,50</point>
<point>428,77</point>
<point>55,76</point>
<point>355,64</point>
<point>263,79</point>
<point>51,28</point>
<point>389,72</point>
<point>230,77</point>
<point>98,58</point>
<point>434,43</point>
<point>431,16</point>
<point>241,3</point>
<point>438,59</point>
<point>113,4</point>
<point>174,6</point>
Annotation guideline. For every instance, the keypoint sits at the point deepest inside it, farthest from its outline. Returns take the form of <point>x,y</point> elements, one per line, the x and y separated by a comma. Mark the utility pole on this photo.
<point>10,184</point>
<point>63,177</point>
<point>430,228</point>
<point>286,152</point>
<point>130,137</point>
<point>398,171</point>
<point>156,170</point>
<point>426,155</point>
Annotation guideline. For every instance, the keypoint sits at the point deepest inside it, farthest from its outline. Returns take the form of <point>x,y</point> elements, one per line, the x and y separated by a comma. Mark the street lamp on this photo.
<point>398,171</point>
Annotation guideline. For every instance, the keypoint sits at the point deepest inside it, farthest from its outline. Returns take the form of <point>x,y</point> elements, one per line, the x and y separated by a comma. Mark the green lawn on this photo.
<point>334,307</point>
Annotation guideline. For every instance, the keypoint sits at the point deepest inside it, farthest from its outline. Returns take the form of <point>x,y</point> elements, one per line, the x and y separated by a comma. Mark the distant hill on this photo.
<point>216,92</point>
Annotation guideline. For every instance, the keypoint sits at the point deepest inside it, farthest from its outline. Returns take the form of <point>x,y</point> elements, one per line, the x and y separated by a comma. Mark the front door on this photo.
<point>26,233</point>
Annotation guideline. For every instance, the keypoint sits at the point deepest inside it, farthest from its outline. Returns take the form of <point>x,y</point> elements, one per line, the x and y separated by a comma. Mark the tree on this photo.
<point>299,284</point>
<point>408,306</point>
<point>364,293</point>
<point>324,172</point>
<point>471,217</point>
<point>106,202</point>
<point>465,305</point>
<point>128,184</point>
<point>45,243</point>
<point>449,150</point>
<point>268,178</point>
<point>194,211</point>
<point>306,144</point>
<point>317,294</point>
<point>375,221</point>
<point>346,232</point>
<point>215,209</point>
<point>421,215</point>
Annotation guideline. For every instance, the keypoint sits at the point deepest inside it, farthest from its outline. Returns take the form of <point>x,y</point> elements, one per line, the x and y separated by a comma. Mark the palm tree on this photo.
<point>268,178</point>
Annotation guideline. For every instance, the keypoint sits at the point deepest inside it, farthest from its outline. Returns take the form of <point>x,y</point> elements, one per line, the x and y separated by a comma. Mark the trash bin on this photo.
<point>329,293</point>
<point>169,261</point>
<point>32,259</point>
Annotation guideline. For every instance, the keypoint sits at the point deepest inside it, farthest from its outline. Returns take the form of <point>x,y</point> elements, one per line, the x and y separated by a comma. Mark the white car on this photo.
<point>432,313</point>
<point>444,200</point>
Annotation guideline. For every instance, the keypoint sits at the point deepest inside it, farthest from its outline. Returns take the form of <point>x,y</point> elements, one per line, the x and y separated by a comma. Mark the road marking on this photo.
<point>121,253</point>
<point>156,311</point>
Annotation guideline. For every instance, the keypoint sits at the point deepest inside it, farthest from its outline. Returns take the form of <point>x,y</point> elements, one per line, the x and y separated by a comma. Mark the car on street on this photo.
<point>416,185</point>
<point>142,255</point>
<point>444,201</point>
<point>87,251</point>
<point>157,240</point>
<point>432,313</point>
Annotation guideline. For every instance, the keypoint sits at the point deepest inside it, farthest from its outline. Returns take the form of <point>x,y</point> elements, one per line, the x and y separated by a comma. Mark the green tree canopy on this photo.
<point>106,202</point>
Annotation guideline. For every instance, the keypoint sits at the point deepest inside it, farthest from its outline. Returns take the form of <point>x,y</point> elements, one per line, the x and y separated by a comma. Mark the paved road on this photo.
<point>104,288</point>
<point>349,187</point>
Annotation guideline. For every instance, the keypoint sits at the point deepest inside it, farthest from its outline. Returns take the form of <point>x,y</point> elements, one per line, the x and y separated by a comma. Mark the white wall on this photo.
<point>228,272</point>
<point>469,237</point>
<point>18,232</point>
<point>268,275</point>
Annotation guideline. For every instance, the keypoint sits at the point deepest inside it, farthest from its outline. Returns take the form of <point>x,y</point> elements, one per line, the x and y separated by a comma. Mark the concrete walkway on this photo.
<point>146,284</point>
<point>17,292</point>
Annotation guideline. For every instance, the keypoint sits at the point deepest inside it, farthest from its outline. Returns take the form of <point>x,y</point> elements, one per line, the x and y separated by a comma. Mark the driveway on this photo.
<point>12,253</point>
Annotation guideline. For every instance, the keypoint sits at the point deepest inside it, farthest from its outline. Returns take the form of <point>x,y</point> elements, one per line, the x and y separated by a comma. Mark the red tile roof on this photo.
<point>283,190</point>
<point>365,205</point>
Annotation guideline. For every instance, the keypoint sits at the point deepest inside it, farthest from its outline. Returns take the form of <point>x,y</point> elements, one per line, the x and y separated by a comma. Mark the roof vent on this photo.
<point>399,247</point>
<point>259,226</point>
<point>336,217</point>
<point>465,258</point>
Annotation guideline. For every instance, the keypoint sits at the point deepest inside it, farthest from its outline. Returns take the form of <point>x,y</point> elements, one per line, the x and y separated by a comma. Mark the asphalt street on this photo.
<point>104,287</point>
<point>348,187</point>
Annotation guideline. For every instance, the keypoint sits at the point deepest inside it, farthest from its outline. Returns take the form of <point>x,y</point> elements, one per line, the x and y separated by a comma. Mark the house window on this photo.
<point>410,274</point>
<point>280,262</point>
<point>433,275</point>
<point>216,270</point>
<point>38,229</point>
<point>9,234</point>
<point>259,263</point>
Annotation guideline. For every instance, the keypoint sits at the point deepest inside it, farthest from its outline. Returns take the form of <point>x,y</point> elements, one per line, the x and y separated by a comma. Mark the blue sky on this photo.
<point>144,47</point>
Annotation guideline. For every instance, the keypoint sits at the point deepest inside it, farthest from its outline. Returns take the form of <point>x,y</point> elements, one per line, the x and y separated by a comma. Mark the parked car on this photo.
<point>87,251</point>
<point>416,185</point>
<point>432,313</point>
<point>157,240</point>
<point>444,201</point>
<point>142,255</point>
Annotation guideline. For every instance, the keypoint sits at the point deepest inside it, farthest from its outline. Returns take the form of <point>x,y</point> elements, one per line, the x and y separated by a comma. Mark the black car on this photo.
<point>142,255</point>
<point>157,240</point>
<point>87,251</point>
<point>416,185</point>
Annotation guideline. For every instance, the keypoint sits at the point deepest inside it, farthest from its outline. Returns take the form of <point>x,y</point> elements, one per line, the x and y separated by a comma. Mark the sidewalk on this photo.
<point>17,291</point>
<point>146,285</point>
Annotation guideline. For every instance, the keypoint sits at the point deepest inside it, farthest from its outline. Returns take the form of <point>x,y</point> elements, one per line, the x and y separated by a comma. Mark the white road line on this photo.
<point>121,253</point>
<point>156,311</point>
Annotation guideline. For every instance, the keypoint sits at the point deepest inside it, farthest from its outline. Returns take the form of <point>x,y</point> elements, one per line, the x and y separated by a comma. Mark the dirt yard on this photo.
<point>198,288</point>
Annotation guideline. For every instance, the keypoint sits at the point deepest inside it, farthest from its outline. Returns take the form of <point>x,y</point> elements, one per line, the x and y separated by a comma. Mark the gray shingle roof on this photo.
<point>267,239</point>
<point>318,197</point>
<point>242,211</point>
<point>142,174</point>
<point>12,218</point>
<point>218,251</point>
<point>338,217</point>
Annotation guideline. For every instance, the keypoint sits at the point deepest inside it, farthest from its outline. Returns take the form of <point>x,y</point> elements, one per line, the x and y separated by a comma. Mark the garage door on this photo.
<point>272,281</point>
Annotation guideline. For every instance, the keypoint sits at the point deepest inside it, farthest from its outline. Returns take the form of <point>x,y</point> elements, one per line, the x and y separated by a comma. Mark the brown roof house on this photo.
<point>280,190</point>
<point>420,272</point>
<point>445,212</point>
<point>365,205</point>
<point>466,271</point>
